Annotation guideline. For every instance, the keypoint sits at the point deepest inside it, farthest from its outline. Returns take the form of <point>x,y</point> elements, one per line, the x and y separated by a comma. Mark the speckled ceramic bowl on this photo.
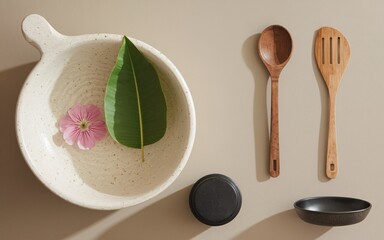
<point>75,69</point>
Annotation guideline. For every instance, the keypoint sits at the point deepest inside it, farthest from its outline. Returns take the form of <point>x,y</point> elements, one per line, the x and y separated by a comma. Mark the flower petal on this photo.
<point>65,122</point>
<point>77,113</point>
<point>93,112</point>
<point>86,141</point>
<point>71,134</point>
<point>98,129</point>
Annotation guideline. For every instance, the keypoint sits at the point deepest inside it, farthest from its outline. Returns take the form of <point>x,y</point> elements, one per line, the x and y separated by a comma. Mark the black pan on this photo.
<point>332,211</point>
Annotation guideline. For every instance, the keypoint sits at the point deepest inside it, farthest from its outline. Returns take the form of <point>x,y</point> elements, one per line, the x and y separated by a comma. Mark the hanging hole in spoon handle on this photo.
<point>38,32</point>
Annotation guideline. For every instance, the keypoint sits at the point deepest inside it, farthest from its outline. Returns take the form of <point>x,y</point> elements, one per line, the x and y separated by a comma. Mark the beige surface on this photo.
<point>213,45</point>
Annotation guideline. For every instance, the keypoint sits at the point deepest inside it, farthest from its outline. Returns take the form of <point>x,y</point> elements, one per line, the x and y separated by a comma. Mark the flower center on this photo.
<point>84,125</point>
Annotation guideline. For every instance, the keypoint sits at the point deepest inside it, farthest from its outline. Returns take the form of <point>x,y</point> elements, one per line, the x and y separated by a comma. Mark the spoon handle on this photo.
<point>332,166</point>
<point>274,150</point>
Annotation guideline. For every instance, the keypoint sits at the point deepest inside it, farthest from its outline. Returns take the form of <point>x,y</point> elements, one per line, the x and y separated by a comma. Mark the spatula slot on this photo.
<point>330,50</point>
<point>322,51</point>
<point>338,50</point>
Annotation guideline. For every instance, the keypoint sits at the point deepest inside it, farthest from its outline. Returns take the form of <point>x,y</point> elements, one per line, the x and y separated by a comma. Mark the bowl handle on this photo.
<point>38,32</point>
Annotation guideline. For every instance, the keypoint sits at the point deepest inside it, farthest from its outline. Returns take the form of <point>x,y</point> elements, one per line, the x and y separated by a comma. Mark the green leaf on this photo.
<point>134,103</point>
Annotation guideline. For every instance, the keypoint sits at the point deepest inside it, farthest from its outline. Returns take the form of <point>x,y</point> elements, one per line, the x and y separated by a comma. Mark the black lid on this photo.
<point>215,199</point>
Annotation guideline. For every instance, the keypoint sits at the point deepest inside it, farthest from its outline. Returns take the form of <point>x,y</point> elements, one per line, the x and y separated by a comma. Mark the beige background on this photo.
<point>213,45</point>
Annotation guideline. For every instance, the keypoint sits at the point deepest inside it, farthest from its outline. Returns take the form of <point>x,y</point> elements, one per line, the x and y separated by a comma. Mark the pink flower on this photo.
<point>82,125</point>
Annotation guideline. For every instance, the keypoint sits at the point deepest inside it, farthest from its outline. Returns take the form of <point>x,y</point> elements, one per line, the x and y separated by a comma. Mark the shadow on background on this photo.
<point>323,129</point>
<point>28,209</point>
<point>285,225</point>
<point>169,218</point>
<point>260,112</point>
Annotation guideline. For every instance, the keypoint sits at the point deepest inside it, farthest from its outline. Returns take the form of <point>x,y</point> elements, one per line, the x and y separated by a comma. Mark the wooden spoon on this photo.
<point>332,55</point>
<point>275,48</point>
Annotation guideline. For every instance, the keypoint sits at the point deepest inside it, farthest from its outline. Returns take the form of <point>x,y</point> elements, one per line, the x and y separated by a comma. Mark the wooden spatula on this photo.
<point>332,55</point>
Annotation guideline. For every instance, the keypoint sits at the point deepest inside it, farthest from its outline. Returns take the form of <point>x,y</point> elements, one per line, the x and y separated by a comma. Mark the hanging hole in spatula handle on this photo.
<point>332,166</point>
<point>40,33</point>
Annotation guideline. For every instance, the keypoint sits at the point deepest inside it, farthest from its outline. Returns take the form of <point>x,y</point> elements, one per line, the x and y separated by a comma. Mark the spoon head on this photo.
<point>275,46</point>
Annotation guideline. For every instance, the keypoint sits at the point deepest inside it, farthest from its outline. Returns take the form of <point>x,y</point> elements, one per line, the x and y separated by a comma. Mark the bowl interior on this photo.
<point>109,175</point>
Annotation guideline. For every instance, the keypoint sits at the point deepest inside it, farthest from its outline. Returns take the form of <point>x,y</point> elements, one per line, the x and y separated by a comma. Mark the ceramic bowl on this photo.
<point>75,69</point>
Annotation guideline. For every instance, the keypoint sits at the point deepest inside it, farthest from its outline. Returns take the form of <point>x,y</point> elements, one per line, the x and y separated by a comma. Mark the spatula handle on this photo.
<point>274,149</point>
<point>332,166</point>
